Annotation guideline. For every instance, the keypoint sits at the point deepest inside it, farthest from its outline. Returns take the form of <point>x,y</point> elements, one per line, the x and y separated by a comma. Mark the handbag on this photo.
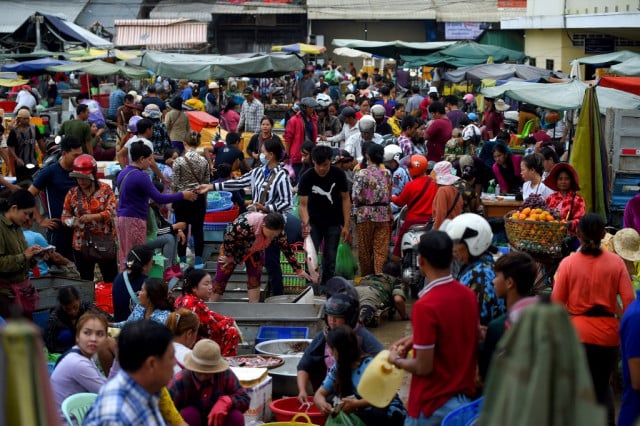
<point>98,248</point>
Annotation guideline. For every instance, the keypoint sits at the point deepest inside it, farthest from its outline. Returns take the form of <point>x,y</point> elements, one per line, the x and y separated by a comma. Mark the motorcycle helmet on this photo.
<point>468,98</point>
<point>362,84</point>
<point>367,124</point>
<point>473,230</point>
<point>417,166</point>
<point>392,152</point>
<point>309,102</point>
<point>378,110</point>
<point>133,124</point>
<point>342,306</point>
<point>84,166</point>
<point>323,100</point>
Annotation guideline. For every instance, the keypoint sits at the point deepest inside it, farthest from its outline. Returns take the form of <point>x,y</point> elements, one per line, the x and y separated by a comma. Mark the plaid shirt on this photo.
<point>250,116</point>
<point>102,201</point>
<point>186,390</point>
<point>122,402</point>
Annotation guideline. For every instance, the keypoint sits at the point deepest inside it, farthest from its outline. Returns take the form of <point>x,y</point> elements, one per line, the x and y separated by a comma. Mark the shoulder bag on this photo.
<point>98,248</point>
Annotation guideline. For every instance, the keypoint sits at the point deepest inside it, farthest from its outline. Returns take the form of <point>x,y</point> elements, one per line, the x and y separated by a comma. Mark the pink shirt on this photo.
<point>261,243</point>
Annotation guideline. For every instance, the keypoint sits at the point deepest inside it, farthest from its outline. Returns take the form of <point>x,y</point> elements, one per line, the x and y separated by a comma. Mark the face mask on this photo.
<point>296,107</point>
<point>263,158</point>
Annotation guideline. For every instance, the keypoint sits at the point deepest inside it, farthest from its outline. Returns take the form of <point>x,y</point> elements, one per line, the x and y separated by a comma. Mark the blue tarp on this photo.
<point>34,65</point>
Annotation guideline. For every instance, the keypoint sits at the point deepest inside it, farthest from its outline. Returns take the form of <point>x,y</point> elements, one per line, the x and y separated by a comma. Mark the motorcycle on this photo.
<point>411,275</point>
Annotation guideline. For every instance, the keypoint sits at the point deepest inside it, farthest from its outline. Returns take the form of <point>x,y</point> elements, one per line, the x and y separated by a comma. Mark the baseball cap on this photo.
<point>248,90</point>
<point>351,97</point>
<point>347,112</point>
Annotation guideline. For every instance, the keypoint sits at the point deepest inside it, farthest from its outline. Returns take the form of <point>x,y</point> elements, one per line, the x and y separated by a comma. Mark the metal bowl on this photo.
<point>284,377</point>
<point>283,346</point>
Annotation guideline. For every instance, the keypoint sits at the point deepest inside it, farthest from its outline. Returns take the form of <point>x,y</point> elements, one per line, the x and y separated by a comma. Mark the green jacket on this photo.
<point>14,267</point>
<point>539,375</point>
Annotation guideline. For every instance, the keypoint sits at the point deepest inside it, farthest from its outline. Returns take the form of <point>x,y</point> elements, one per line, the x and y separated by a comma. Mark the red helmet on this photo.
<point>84,165</point>
<point>418,165</point>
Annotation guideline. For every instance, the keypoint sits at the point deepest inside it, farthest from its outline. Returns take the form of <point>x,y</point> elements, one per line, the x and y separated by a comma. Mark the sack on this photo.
<point>99,248</point>
<point>346,264</point>
<point>570,243</point>
<point>344,419</point>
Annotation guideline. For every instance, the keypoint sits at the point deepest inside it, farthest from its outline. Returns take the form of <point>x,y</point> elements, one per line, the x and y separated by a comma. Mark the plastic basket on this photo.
<point>218,201</point>
<point>535,236</point>
<point>210,226</point>
<point>289,410</point>
<point>220,216</point>
<point>293,284</point>
<point>301,257</point>
<point>463,415</point>
<point>267,332</point>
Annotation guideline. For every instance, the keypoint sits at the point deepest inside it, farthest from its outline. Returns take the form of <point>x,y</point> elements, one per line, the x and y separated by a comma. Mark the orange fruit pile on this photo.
<point>537,215</point>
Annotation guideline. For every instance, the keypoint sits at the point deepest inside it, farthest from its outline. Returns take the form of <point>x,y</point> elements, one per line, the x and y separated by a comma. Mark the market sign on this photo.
<point>463,30</point>
<point>512,4</point>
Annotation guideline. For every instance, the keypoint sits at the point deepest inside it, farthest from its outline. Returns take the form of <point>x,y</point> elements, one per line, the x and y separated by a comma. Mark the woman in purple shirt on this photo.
<point>76,371</point>
<point>136,188</point>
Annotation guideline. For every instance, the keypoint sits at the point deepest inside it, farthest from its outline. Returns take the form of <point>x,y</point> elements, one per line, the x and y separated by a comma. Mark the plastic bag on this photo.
<point>346,264</point>
<point>344,419</point>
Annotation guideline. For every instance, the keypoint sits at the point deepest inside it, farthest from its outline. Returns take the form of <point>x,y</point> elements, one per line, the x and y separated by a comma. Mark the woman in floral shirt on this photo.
<point>372,197</point>
<point>245,240</point>
<point>196,290</point>
<point>564,179</point>
<point>90,208</point>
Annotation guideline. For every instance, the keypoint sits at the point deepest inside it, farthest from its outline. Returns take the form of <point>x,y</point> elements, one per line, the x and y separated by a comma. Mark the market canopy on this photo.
<point>465,53</point>
<point>203,67</point>
<point>608,58</point>
<point>562,96</point>
<point>392,49</point>
<point>626,84</point>
<point>102,68</point>
<point>10,79</point>
<point>33,65</point>
<point>91,54</point>
<point>628,67</point>
<point>496,72</point>
<point>300,48</point>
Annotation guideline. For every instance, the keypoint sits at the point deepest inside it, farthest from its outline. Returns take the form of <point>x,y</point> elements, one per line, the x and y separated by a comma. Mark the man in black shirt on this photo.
<point>230,154</point>
<point>324,207</point>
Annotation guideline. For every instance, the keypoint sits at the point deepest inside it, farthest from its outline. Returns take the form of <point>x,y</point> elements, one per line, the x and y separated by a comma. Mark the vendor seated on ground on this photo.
<point>382,292</point>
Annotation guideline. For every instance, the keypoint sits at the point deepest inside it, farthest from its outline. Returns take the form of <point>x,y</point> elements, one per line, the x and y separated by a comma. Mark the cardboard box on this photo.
<point>260,395</point>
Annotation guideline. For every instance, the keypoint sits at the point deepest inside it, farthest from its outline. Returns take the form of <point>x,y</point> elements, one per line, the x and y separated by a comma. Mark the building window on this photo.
<point>549,64</point>
<point>532,61</point>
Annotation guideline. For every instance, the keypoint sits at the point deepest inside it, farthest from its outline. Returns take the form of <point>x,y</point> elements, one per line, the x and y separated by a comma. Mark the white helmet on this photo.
<point>367,124</point>
<point>392,152</point>
<point>378,110</point>
<point>472,229</point>
<point>323,100</point>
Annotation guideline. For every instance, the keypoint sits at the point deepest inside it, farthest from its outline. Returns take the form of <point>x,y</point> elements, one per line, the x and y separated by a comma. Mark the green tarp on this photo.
<point>497,72</point>
<point>203,67</point>
<point>608,58</point>
<point>391,49</point>
<point>99,67</point>
<point>465,53</point>
<point>628,67</point>
<point>562,96</point>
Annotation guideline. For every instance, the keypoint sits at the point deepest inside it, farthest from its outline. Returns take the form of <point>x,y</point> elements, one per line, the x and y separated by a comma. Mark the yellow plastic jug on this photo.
<point>380,381</point>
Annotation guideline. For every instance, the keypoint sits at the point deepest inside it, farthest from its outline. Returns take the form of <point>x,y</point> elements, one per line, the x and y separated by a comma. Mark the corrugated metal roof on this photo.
<point>106,12</point>
<point>160,33</point>
<point>370,9</point>
<point>258,8</point>
<point>167,9</point>
<point>15,13</point>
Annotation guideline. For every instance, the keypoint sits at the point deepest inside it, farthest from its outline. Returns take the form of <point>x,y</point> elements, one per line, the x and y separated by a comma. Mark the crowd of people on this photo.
<point>350,162</point>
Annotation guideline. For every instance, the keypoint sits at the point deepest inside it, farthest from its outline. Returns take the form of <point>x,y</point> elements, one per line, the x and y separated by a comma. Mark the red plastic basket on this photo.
<point>223,216</point>
<point>284,409</point>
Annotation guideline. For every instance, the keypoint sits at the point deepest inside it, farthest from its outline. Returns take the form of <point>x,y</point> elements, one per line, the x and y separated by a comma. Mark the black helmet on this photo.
<point>342,306</point>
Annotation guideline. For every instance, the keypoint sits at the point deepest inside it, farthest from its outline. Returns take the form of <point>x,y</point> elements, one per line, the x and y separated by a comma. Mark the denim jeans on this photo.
<point>272,254</point>
<point>436,418</point>
<point>331,237</point>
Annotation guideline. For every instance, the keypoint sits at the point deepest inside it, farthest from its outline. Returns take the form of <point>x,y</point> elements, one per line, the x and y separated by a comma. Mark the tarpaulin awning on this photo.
<point>33,65</point>
<point>496,72</point>
<point>91,54</point>
<point>101,68</point>
<point>160,33</point>
<point>203,67</point>
<point>626,84</point>
<point>608,58</point>
<point>628,67</point>
<point>465,53</point>
<point>10,79</point>
<point>77,33</point>
<point>562,96</point>
<point>301,48</point>
<point>392,49</point>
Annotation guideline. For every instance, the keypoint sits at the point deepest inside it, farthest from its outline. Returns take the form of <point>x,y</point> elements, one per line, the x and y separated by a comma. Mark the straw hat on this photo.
<point>626,243</point>
<point>206,358</point>
<point>501,105</point>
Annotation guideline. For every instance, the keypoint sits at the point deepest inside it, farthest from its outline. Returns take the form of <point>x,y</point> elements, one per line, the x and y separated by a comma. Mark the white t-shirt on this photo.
<point>181,351</point>
<point>540,189</point>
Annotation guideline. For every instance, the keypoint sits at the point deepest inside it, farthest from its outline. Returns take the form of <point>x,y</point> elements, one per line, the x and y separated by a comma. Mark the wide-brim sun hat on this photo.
<point>551,181</point>
<point>626,243</point>
<point>443,172</point>
<point>501,105</point>
<point>206,358</point>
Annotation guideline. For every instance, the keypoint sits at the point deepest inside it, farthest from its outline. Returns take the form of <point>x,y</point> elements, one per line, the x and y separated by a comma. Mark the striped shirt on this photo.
<point>280,196</point>
<point>122,401</point>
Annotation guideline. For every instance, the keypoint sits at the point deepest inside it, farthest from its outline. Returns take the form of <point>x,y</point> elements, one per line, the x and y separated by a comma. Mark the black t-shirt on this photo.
<point>227,155</point>
<point>325,196</point>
